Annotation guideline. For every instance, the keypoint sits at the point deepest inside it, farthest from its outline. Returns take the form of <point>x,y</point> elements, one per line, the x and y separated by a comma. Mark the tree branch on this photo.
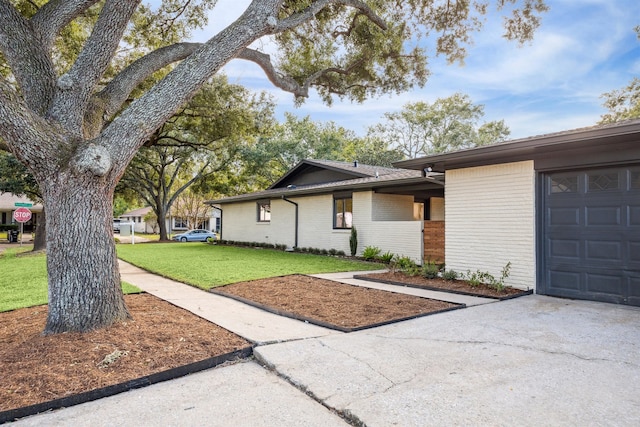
<point>28,60</point>
<point>105,104</point>
<point>76,86</point>
<point>287,83</point>
<point>55,15</point>
<point>27,135</point>
<point>301,17</point>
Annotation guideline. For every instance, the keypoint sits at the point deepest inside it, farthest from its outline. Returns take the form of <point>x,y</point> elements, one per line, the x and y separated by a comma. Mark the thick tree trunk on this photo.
<point>162,223</point>
<point>84,280</point>
<point>40,241</point>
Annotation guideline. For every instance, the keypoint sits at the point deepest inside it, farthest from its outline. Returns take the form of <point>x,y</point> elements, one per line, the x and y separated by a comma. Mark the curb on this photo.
<point>170,374</point>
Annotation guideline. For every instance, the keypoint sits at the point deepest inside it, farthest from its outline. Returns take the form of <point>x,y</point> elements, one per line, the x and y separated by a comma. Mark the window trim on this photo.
<point>261,216</point>
<point>342,197</point>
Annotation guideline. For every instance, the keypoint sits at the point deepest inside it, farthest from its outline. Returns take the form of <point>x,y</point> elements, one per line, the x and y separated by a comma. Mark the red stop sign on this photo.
<point>22,215</point>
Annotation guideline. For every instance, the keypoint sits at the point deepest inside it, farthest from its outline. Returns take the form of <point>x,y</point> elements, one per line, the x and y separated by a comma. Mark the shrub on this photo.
<point>353,241</point>
<point>405,264</point>
<point>370,253</point>
<point>430,270</point>
<point>386,257</point>
<point>341,253</point>
<point>482,277</point>
<point>333,252</point>
<point>450,275</point>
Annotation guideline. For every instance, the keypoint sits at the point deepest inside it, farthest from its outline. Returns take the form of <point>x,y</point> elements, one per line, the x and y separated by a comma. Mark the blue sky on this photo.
<point>582,49</point>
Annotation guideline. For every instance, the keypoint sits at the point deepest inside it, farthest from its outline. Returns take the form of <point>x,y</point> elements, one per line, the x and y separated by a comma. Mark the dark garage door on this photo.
<point>592,235</point>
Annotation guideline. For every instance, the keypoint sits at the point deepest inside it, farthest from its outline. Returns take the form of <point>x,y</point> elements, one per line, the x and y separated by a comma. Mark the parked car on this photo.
<point>116,225</point>
<point>195,236</point>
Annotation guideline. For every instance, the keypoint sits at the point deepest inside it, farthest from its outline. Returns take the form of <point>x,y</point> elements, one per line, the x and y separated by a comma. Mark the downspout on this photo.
<point>296,226</point>
<point>220,209</point>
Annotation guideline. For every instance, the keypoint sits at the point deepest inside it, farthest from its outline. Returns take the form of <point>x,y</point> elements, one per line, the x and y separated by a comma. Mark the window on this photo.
<point>180,223</point>
<point>564,184</point>
<point>264,211</point>
<point>603,181</point>
<point>342,212</point>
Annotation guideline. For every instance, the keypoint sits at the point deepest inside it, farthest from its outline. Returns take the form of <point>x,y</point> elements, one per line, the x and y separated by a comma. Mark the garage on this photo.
<point>591,234</point>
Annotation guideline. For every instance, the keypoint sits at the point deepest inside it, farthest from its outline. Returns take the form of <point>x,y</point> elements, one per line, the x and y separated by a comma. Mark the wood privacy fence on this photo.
<point>434,241</point>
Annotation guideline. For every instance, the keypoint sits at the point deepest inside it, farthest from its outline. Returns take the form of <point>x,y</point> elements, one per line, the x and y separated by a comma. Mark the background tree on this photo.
<point>16,179</point>
<point>448,124</point>
<point>190,206</point>
<point>76,128</point>
<point>298,139</point>
<point>623,104</point>
<point>196,144</point>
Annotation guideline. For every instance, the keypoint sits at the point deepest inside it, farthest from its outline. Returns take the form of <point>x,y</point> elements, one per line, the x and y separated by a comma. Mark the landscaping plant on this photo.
<point>370,253</point>
<point>353,241</point>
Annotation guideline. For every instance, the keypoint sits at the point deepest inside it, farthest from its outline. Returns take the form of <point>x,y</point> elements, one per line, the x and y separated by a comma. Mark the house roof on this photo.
<point>138,212</point>
<point>8,201</point>
<point>390,180</point>
<point>597,141</point>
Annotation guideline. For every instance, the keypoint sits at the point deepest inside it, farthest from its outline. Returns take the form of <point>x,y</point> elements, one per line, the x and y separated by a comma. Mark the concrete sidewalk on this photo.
<point>529,361</point>
<point>253,324</point>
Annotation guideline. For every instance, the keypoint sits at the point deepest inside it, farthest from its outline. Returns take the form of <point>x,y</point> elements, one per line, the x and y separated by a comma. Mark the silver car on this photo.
<point>195,236</point>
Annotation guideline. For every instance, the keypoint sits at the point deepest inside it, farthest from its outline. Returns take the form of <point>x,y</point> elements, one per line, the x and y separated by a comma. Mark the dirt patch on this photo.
<point>332,303</point>
<point>38,368</point>
<point>457,286</point>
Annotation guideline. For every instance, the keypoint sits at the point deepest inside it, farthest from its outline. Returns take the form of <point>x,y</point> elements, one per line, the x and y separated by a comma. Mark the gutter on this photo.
<point>296,224</point>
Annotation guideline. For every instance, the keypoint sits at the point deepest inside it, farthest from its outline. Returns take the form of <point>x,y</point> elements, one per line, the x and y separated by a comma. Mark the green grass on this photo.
<point>23,280</point>
<point>208,266</point>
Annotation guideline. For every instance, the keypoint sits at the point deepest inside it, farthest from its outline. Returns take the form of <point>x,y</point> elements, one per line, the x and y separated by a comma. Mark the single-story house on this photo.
<point>8,205</point>
<point>174,223</point>
<point>563,208</point>
<point>316,204</point>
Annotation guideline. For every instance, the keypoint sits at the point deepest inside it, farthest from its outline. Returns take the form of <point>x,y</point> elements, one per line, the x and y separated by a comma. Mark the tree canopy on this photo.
<point>76,116</point>
<point>448,124</point>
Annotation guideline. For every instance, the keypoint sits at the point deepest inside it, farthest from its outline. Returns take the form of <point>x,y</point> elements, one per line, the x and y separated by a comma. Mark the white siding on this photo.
<point>397,233</point>
<point>490,220</point>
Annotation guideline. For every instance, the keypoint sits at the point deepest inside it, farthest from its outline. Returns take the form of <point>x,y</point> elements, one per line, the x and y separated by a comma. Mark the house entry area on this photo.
<point>591,234</point>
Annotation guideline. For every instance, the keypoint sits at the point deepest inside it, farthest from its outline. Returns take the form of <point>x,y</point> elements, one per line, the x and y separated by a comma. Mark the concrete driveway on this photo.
<point>530,361</point>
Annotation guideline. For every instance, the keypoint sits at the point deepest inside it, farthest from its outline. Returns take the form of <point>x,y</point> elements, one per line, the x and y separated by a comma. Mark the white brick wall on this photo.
<point>397,233</point>
<point>490,220</point>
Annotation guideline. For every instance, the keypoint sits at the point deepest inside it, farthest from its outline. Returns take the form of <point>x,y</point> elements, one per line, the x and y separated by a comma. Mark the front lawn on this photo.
<point>23,280</point>
<point>208,266</point>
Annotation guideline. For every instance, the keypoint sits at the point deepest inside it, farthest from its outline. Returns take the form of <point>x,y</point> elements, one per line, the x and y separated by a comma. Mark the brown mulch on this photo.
<point>339,304</point>
<point>445,285</point>
<point>37,368</point>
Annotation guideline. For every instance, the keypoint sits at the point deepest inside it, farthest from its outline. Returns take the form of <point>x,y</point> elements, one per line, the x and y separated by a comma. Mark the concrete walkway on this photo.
<point>529,361</point>
<point>251,323</point>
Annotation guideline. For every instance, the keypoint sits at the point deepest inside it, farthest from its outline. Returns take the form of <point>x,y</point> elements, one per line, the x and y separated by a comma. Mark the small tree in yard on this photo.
<point>76,127</point>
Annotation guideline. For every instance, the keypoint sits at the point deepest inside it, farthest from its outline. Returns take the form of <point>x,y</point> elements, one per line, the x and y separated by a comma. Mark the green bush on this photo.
<point>386,257</point>
<point>8,227</point>
<point>353,241</point>
<point>370,253</point>
<point>430,270</point>
<point>450,275</point>
<point>405,264</point>
<point>333,252</point>
<point>483,277</point>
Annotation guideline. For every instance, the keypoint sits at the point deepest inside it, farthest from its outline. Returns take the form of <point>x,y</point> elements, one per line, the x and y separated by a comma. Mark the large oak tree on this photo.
<point>76,128</point>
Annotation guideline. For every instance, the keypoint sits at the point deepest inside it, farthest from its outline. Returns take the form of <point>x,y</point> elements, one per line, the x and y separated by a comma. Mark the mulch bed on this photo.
<point>330,304</point>
<point>37,368</point>
<point>455,286</point>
